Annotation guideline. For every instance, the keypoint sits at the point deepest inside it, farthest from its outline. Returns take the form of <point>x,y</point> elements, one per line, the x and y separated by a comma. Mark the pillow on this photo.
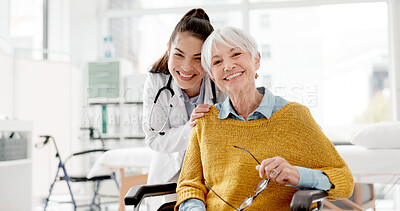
<point>382,135</point>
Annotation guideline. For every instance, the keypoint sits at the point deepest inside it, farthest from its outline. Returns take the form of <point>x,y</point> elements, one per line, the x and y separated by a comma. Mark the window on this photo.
<point>337,65</point>
<point>265,51</point>
<point>143,39</point>
<point>265,21</point>
<point>26,27</point>
<point>156,4</point>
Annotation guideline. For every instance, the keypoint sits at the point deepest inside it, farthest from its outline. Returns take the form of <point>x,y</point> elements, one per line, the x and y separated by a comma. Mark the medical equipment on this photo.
<point>167,87</point>
<point>369,166</point>
<point>95,202</point>
<point>135,161</point>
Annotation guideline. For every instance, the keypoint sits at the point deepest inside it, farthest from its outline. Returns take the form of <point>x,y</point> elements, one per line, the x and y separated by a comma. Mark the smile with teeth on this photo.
<point>233,76</point>
<point>185,76</point>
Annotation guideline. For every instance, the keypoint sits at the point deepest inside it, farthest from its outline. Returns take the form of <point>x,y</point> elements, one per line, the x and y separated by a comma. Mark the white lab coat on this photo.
<point>169,148</point>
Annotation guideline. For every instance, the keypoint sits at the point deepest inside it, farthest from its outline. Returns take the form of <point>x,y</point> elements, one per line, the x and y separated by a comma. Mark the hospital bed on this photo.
<point>369,166</point>
<point>136,160</point>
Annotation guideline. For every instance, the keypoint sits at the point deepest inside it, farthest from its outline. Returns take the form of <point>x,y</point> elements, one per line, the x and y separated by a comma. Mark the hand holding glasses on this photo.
<point>249,200</point>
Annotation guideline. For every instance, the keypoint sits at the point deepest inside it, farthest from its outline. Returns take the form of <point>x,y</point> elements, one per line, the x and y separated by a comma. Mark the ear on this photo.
<point>257,61</point>
<point>168,48</point>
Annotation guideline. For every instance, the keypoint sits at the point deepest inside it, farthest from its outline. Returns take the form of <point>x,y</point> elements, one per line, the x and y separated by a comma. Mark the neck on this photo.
<point>246,101</point>
<point>193,91</point>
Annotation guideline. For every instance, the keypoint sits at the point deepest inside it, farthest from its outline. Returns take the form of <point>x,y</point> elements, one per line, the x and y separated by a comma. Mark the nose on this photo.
<point>187,65</point>
<point>229,64</point>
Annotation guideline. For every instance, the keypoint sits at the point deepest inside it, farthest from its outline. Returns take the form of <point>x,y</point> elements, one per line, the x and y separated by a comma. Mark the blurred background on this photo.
<point>338,57</point>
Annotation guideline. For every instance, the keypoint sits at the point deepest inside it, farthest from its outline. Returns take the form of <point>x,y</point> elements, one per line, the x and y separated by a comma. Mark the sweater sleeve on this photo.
<point>190,183</point>
<point>324,157</point>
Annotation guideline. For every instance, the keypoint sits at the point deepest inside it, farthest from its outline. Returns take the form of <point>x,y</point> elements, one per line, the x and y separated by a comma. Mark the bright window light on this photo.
<point>332,58</point>
<point>337,65</point>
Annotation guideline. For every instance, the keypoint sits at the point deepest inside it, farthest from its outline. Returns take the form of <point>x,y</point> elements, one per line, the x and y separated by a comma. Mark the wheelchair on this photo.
<point>69,179</point>
<point>302,200</point>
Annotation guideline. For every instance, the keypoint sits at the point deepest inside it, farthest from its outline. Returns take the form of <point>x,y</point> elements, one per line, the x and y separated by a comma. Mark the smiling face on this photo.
<point>184,63</point>
<point>233,69</point>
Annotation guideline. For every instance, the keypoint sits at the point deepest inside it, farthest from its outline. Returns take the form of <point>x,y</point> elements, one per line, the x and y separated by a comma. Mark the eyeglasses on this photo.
<point>249,200</point>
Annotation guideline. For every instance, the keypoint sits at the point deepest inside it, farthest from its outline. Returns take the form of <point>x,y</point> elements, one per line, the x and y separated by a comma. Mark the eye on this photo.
<point>236,54</point>
<point>216,62</point>
<point>197,58</point>
<point>178,55</point>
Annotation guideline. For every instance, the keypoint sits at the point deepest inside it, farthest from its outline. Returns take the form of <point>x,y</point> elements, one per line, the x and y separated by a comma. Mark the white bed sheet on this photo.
<point>372,165</point>
<point>136,158</point>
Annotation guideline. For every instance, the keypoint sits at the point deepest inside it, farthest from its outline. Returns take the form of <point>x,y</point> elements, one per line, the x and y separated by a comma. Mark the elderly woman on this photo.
<point>221,168</point>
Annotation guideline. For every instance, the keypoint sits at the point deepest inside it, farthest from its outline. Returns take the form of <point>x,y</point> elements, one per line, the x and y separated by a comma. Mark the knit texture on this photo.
<point>291,133</point>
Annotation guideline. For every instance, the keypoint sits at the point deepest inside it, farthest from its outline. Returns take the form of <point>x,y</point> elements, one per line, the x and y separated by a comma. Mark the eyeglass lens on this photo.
<point>249,200</point>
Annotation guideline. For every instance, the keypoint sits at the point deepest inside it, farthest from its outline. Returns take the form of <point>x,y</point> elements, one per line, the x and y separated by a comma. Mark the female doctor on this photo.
<point>175,86</point>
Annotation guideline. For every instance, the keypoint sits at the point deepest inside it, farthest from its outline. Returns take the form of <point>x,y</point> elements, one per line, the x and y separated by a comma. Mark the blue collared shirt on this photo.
<point>269,105</point>
<point>309,178</point>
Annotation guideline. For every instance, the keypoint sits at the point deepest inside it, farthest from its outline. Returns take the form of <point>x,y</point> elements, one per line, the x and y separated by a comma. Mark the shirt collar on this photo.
<point>265,108</point>
<point>195,99</point>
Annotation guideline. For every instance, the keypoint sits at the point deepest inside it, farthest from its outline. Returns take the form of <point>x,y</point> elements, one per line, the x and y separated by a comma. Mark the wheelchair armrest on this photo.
<point>139,192</point>
<point>303,199</point>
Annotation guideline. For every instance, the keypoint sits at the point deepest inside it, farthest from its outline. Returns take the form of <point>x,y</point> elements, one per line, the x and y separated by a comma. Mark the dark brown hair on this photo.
<point>197,23</point>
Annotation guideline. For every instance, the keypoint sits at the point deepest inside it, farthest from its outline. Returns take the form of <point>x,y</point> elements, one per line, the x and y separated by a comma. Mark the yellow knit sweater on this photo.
<point>291,133</point>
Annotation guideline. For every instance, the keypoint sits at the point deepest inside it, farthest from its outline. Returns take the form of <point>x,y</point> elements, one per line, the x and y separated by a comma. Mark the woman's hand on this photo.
<point>279,170</point>
<point>198,112</point>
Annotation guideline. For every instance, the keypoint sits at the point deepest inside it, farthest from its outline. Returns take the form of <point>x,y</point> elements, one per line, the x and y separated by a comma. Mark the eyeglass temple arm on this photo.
<point>220,196</point>
<point>249,153</point>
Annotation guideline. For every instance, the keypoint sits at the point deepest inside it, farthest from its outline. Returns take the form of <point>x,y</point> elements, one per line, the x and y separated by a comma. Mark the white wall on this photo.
<point>6,71</point>
<point>84,29</point>
<point>49,94</point>
<point>59,28</point>
<point>6,85</point>
<point>4,18</point>
<point>394,24</point>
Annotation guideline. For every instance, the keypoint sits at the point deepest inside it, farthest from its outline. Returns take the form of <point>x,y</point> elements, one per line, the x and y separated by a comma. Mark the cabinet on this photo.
<point>114,102</point>
<point>16,166</point>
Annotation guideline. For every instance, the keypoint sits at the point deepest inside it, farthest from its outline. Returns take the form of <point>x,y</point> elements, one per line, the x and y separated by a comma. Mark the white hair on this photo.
<point>228,36</point>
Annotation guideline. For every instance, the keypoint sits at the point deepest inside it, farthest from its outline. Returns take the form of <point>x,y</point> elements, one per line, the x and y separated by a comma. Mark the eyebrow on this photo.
<point>232,49</point>
<point>197,54</point>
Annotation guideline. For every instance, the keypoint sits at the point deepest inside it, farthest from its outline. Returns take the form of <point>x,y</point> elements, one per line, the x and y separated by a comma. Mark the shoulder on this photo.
<point>157,77</point>
<point>298,114</point>
<point>211,116</point>
<point>156,80</point>
<point>294,110</point>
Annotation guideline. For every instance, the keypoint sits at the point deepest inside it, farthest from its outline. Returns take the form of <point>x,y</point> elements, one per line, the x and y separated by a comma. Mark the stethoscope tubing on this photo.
<point>167,87</point>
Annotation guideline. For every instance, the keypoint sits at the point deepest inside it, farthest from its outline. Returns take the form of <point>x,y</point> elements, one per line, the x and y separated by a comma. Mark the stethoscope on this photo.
<point>168,88</point>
